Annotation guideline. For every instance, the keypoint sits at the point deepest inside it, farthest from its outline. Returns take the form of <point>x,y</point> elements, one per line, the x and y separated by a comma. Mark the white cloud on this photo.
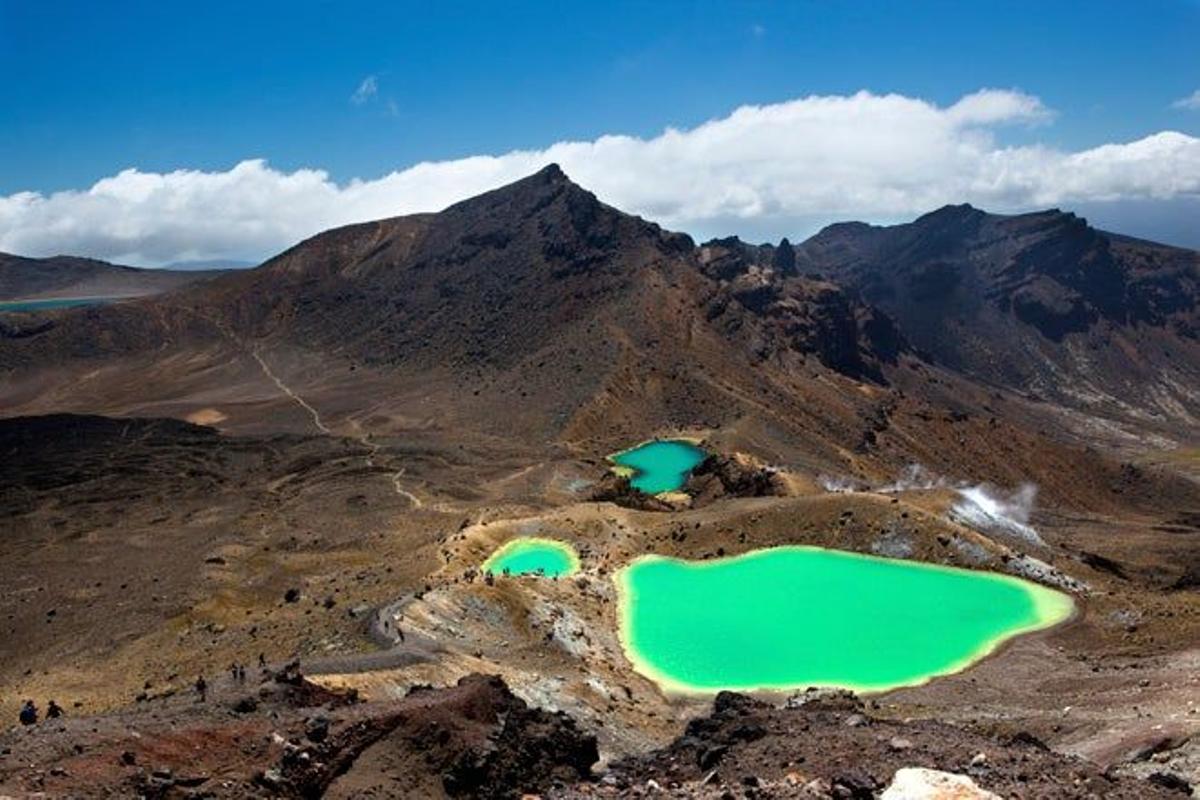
<point>775,167</point>
<point>1189,103</point>
<point>365,91</point>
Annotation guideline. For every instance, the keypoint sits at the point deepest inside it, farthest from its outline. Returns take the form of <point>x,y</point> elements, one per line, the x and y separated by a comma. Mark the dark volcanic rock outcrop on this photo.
<point>735,475</point>
<point>804,315</point>
<point>293,739</point>
<point>56,451</point>
<point>614,488</point>
<point>475,739</point>
<point>827,745</point>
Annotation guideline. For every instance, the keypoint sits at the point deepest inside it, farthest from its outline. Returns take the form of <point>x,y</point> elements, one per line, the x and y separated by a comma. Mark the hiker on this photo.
<point>262,660</point>
<point>201,689</point>
<point>233,670</point>
<point>241,673</point>
<point>29,713</point>
<point>53,710</point>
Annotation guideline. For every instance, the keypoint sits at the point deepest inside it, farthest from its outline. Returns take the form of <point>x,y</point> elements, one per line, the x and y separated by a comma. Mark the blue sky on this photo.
<point>93,88</point>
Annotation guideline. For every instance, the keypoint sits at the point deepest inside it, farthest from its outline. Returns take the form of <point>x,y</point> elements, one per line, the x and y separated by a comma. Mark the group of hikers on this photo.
<point>29,712</point>
<point>237,671</point>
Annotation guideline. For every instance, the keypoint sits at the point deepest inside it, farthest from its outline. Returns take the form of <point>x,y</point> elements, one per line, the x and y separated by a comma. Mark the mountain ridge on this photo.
<point>24,278</point>
<point>540,287</point>
<point>1040,302</point>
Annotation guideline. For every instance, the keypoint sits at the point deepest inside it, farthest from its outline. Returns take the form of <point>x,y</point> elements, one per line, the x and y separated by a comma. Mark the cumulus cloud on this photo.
<point>1189,103</point>
<point>365,91</point>
<point>770,167</point>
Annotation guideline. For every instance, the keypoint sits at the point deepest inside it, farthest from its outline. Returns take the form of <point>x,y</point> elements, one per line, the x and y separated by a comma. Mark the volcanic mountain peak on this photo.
<point>568,222</point>
<point>521,198</point>
<point>949,213</point>
<point>545,218</point>
<point>547,181</point>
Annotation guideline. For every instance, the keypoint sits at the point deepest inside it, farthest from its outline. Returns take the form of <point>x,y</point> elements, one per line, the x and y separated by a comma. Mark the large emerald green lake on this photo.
<point>531,555</point>
<point>659,466</point>
<point>792,617</point>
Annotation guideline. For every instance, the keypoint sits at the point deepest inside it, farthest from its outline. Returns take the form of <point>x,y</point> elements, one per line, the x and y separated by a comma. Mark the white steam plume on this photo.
<point>981,506</point>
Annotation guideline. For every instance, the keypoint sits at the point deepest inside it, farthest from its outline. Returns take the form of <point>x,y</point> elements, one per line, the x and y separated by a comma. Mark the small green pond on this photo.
<point>659,466</point>
<point>791,617</point>
<point>531,555</point>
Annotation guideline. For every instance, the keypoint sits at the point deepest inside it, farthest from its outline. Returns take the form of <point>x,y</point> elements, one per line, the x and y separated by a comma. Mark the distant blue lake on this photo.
<point>47,305</point>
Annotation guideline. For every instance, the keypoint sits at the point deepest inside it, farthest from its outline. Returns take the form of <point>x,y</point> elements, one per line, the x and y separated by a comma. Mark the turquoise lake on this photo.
<point>659,466</point>
<point>786,618</point>
<point>530,555</point>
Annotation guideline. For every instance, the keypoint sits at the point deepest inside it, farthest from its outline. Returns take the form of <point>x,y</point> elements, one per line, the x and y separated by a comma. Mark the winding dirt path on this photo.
<point>395,476</point>
<point>283,387</point>
<point>360,435</point>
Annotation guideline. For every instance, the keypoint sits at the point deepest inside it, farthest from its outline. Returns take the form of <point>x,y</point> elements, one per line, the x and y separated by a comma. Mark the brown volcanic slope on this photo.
<point>67,276</point>
<point>1040,302</point>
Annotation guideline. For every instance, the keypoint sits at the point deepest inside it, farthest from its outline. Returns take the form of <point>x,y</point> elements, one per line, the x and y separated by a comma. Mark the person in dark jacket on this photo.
<point>29,713</point>
<point>53,710</point>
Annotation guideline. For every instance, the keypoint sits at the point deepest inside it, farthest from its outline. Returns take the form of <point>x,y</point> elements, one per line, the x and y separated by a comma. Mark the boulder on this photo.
<point>918,783</point>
